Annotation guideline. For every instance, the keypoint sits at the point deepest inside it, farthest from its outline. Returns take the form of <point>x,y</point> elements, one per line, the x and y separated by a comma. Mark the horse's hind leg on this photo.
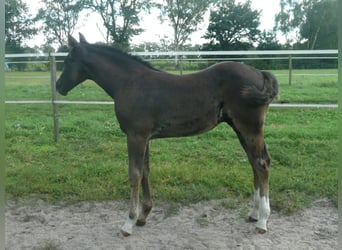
<point>259,158</point>
<point>147,200</point>
<point>261,168</point>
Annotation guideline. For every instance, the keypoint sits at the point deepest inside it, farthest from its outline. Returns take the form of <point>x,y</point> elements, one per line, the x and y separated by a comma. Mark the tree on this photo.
<point>18,25</point>
<point>314,23</point>
<point>59,19</point>
<point>319,29</point>
<point>120,18</point>
<point>184,17</point>
<point>268,41</point>
<point>232,26</point>
<point>288,19</point>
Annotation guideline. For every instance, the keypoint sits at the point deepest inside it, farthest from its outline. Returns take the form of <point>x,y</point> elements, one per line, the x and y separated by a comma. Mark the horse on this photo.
<point>150,104</point>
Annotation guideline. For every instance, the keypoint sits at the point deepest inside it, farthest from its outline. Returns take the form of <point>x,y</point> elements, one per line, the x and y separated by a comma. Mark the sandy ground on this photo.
<point>207,225</point>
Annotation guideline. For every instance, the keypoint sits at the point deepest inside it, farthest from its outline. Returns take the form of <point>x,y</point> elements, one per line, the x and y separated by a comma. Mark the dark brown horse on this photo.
<point>153,104</point>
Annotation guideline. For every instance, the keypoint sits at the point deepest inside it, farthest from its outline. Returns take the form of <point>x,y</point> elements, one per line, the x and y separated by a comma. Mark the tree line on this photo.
<point>305,24</point>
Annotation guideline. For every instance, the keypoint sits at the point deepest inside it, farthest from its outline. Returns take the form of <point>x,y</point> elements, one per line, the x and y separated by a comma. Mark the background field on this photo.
<point>90,160</point>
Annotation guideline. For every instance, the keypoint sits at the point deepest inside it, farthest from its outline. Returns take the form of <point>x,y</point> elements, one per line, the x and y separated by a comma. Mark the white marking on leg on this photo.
<point>254,213</point>
<point>264,213</point>
<point>128,226</point>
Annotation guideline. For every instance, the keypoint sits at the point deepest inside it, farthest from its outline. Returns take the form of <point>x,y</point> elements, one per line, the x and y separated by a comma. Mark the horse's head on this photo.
<point>74,72</point>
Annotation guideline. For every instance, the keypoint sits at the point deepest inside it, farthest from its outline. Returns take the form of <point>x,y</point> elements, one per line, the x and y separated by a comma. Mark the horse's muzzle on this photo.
<point>60,89</point>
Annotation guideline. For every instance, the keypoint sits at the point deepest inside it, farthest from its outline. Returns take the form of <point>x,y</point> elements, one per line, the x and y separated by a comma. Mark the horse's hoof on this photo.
<point>260,230</point>
<point>140,223</point>
<point>124,234</point>
<point>251,219</point>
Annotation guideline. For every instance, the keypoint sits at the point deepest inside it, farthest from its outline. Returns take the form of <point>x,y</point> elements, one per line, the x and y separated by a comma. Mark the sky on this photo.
<point>154,31</point>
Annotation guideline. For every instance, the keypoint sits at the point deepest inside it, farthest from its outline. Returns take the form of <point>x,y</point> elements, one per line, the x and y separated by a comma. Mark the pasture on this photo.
<point>90,160</point>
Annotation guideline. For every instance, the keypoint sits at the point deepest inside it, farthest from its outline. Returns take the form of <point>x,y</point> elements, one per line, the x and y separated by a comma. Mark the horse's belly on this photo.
<point>184,127</point>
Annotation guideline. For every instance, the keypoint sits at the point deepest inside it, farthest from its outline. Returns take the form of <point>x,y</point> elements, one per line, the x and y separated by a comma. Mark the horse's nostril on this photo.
<point>64,93</point>
<point>60,90</point>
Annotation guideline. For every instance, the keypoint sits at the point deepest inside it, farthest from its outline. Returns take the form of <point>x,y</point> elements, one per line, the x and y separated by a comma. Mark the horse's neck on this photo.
<point>108,75</point>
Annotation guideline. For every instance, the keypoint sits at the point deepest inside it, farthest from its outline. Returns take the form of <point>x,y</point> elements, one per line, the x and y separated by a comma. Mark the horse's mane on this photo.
<point>115,53</point>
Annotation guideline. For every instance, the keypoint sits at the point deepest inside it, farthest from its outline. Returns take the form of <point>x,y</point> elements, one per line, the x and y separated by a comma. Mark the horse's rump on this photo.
<point>264,96</point>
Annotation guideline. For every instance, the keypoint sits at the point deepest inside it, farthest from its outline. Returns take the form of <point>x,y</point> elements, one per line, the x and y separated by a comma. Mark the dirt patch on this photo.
<point>207,225</point>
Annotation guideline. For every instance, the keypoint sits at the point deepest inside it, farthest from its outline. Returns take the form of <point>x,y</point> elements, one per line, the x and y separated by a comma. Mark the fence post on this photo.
<point>54,97</point>
<point>290,69</point>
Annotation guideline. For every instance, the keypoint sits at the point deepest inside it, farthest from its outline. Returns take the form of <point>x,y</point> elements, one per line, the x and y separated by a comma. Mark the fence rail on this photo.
<point>198,53</point>
<point>289,55</point>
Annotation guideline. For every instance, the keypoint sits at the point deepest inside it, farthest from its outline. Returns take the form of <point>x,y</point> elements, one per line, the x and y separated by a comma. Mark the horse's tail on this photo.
<point>264,96</point>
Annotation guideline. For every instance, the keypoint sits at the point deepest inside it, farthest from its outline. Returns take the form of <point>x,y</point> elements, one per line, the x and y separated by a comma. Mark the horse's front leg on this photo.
<point>136,152</point>
<point>147,202</point>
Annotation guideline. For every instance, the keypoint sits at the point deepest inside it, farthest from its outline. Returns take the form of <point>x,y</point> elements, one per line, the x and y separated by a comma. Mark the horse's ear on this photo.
<point>72,43</point>
<point>82,38</point>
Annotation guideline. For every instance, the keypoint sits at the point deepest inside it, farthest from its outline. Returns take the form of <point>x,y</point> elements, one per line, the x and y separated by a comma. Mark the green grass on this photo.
<point>90,160</point>
<point>319,87</point>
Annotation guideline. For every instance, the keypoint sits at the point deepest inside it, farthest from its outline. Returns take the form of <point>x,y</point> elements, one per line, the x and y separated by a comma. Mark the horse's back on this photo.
<point>237,72</point>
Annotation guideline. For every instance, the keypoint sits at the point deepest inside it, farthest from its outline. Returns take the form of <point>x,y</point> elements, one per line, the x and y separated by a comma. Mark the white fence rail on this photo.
<point>200,53</point>
<point>182,55</point>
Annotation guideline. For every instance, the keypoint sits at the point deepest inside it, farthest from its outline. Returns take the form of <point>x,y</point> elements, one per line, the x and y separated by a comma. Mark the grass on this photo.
<point>308,86</point>
<point>90,160</point>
